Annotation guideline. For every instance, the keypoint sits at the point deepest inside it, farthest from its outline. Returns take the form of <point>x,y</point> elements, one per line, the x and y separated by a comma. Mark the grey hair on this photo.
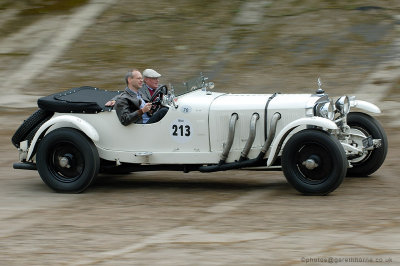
<point>129,74</point>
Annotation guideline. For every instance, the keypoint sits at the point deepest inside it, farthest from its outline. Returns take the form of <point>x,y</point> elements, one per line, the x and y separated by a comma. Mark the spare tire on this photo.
<point>30,124</point>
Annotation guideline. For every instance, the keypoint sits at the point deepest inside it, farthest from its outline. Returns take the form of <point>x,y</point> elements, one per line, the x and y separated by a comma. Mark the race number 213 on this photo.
<point>181,130</point>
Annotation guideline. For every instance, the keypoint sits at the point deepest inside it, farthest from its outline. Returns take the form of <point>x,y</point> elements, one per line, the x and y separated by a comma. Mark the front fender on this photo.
<point>280,138</point>
<point>367,106</point>
<point>64,121</point>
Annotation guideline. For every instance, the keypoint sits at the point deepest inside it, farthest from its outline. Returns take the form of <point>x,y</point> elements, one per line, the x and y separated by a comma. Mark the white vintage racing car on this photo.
<point>314,140</point>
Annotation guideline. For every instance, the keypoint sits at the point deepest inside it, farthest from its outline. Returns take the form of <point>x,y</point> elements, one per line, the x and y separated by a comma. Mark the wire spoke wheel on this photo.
<point>372,160</point>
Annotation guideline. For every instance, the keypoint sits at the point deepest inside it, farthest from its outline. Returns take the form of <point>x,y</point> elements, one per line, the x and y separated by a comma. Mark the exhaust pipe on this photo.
<point>250,140</point>
<point>231,135</point>
<point>251,162</point>
<point>272,132</point>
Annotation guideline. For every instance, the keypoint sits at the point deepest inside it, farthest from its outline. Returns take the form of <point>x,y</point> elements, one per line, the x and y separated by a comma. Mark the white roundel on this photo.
<point>181,130</point>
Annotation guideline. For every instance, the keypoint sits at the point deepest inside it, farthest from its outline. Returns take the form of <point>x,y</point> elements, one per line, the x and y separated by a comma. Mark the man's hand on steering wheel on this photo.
<point>157,97</point>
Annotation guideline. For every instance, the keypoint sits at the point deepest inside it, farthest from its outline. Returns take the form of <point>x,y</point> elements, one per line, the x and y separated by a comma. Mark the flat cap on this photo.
<point>151,73</point>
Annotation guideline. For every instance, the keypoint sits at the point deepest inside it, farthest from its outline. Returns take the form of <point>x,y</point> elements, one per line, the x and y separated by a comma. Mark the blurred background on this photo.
<point>243,46</point>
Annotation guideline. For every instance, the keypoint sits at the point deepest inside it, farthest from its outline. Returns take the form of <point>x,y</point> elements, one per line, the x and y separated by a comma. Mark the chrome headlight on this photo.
<point>343,105</point>
<point>326,110</point>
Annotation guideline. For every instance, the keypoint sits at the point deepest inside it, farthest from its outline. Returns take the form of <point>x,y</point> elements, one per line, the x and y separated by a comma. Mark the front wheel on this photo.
<point>365,125</point>
<point>314,162</point>
<point>67,160</point>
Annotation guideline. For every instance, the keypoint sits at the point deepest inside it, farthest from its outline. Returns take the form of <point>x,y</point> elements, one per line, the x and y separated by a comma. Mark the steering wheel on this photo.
<point>156,99</point>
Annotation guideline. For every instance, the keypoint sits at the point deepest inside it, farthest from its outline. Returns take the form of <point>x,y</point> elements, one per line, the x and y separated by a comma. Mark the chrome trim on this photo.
<point>343,105</point>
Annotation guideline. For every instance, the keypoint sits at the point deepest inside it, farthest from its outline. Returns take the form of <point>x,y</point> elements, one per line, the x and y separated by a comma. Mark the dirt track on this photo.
<point>228,218</point>
<point>172,218</point>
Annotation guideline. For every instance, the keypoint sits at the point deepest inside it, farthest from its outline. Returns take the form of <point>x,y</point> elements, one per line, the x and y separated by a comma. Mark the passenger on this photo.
<point>150,86</point>
<point>130,105</point>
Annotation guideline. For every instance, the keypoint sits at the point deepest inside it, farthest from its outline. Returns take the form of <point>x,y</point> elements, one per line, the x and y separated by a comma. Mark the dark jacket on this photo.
<point>127,106</point>
<point>145,93</point>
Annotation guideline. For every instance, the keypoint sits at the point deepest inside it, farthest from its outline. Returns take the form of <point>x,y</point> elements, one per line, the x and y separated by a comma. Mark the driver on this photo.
<point>150,78</point>
<point>150,88</point>
<point>130,105</point>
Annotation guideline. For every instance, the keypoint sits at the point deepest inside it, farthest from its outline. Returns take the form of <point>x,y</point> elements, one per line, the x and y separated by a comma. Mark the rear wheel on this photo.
<point>67,160</point>
<point>364,124</point>
<point>314,162</point>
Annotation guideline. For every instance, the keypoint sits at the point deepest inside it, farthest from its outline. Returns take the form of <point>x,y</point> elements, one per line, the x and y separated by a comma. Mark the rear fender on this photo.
<point>307,121</point>
<point>63,121</point>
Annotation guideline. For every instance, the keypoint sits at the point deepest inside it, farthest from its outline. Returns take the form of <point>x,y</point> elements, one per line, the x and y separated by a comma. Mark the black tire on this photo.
<point>80,163</point>
<point>374,159</point>
<point>323,149</point>
<point>28,125</point>
<point>29,137</point>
